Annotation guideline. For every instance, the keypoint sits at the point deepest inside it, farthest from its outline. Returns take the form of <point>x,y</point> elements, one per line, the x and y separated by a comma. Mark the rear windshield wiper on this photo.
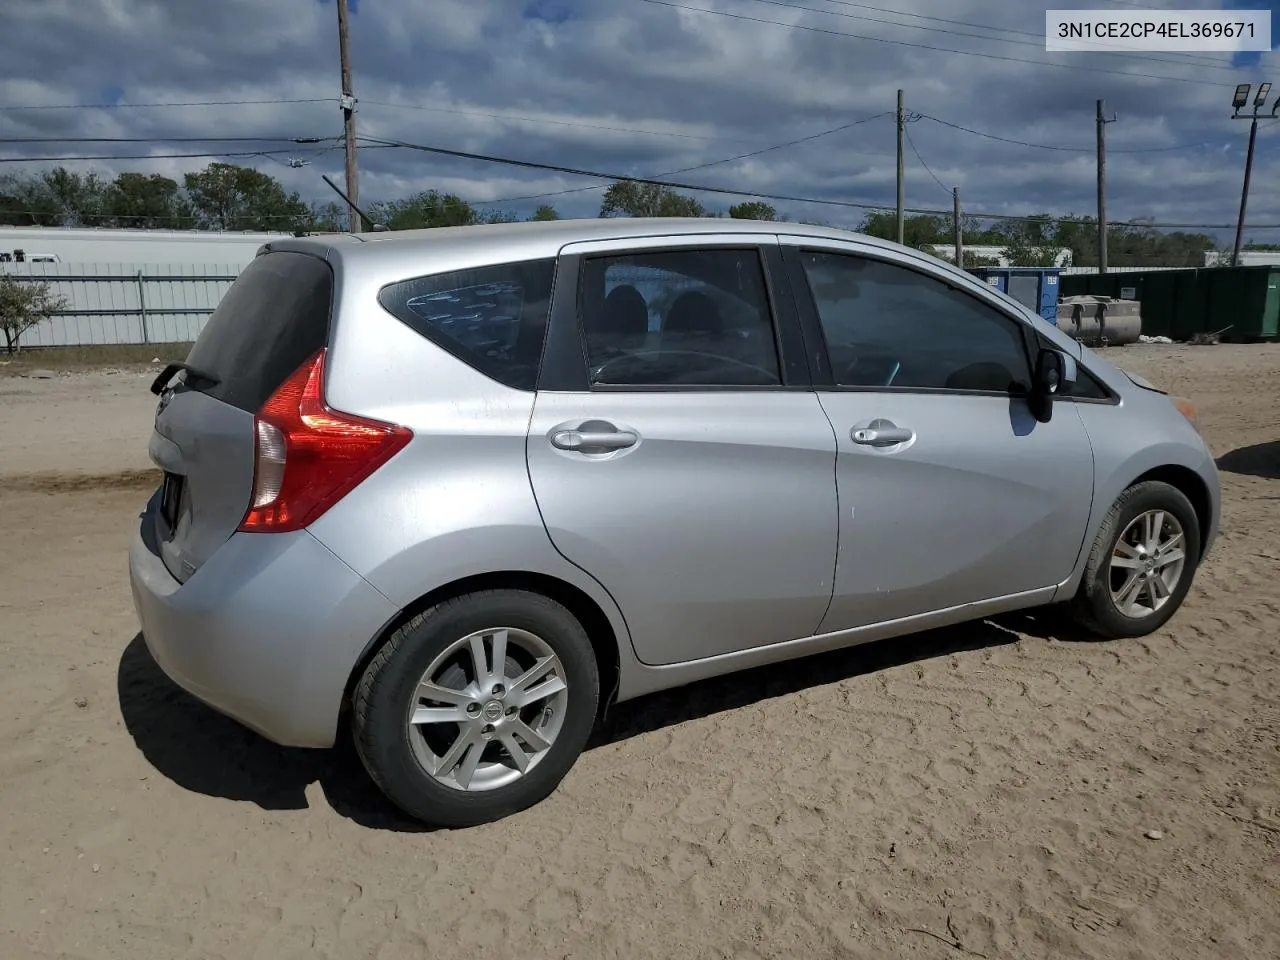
<point>167,373</point>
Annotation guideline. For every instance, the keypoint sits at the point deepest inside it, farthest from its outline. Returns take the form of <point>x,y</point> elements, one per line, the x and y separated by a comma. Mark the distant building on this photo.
<point>947,251</point>
<point>94,245</point>
<point>1248,258</point>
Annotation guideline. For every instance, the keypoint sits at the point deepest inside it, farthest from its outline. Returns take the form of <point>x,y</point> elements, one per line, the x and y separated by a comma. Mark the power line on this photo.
<point>710,163</point>
<point>538,120</point>
<point>1039,44</point>
<point>167,156</point>
<point>912,144</point>
<point>1050,146</point>
<point>131,106</point>
<point>143,156</point>
<point>174,217</point>
<point>167,139</point>
<point>758,195</point>
<point>923,46</point>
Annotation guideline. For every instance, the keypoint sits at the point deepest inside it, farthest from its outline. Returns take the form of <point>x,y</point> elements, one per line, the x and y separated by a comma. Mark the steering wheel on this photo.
<point>769,375</point>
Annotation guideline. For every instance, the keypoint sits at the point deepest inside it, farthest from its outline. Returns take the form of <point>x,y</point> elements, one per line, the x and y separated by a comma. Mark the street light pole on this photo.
<point>1239,100</point>
<point>1244,193</point>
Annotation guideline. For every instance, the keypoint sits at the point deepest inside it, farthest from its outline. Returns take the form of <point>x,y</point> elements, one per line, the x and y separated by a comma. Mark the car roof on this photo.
<point>396,254</point>
<point>535,238</point>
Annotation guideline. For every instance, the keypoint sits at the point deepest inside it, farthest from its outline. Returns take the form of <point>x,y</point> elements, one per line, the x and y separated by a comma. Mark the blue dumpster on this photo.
<point>1033,287</point>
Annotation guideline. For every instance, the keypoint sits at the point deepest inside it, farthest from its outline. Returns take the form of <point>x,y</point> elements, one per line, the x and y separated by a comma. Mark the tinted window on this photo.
<point>1087,387</point>
<point>492,318</point>
<point>887,326</point>
<point>687,317</point>
<point>268,323</point>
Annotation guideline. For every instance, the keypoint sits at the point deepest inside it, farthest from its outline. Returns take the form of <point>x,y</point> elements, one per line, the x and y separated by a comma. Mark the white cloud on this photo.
<point>704,86</point>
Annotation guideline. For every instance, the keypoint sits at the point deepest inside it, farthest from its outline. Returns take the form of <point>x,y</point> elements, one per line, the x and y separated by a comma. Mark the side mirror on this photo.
<point>1054,373</point>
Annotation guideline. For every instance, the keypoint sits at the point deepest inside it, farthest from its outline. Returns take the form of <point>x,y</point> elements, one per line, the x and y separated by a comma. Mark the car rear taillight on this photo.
<point>308,456</point>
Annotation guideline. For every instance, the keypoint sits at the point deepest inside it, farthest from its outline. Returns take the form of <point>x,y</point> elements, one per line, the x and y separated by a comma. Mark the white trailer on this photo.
<point>83,245</point>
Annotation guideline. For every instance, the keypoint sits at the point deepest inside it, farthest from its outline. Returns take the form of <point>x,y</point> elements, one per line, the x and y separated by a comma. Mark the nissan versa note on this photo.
<point>457,490</point>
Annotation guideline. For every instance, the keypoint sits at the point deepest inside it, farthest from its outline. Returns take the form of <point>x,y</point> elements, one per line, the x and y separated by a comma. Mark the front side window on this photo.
<point>678,318</point>
<point>493,318</point>
<point>888,326</point>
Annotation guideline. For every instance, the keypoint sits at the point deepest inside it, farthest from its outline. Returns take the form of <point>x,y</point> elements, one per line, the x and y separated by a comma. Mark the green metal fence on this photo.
<point>1181,303</point>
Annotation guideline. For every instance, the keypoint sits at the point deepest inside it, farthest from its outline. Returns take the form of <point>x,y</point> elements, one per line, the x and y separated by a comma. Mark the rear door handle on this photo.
<point>881,436</point>
<point>592,441</point>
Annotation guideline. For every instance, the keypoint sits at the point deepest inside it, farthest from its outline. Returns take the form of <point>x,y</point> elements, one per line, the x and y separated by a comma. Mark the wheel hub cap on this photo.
<point>1147,563</point>
<point>487,709</point>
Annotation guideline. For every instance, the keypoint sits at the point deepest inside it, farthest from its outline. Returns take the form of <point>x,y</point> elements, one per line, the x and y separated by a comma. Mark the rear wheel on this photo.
<point>1141,564</point>
<point>478,707</point>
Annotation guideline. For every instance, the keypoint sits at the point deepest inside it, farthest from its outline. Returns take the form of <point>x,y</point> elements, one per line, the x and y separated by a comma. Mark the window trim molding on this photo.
<point>793,248</point>
<point>793,373</point>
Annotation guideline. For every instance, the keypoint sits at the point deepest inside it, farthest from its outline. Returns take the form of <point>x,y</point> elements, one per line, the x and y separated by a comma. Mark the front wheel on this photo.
<point>1141,564</point>
<point>477,708</point>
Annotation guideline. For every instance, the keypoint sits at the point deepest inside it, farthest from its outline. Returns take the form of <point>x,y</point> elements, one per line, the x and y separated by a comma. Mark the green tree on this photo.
<point>145,201</point>
<point>329,217</point>
<point>627,198</point>
<point>23,304</point>
<point>753,210</point>
<point>545,212</point>
<point>429,209</point>
<point>918,230</point>
<point>25,201</point>
<point>78,198</point>
<point>1032,242</point>
<point>229,197</point>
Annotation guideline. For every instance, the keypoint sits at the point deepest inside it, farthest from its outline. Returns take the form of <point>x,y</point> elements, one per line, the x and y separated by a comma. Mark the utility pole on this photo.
<point>1241,97</point>
<point>959,234</point>
<point>1102,187</point>
<point>348,120</point>
<point>902,125</point>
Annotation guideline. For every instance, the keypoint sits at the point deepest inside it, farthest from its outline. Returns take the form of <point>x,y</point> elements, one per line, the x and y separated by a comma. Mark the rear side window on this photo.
<point>268,323</point>
<point>685,318</point>
<point>492,318</point>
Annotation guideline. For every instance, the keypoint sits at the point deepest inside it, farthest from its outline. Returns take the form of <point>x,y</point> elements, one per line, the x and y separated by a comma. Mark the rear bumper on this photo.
<point>267,631</point>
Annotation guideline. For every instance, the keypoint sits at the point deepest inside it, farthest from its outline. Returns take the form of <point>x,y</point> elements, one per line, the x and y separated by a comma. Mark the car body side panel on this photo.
<point>983,502</point>
<point>639,679</point>
<point>210,445</point>
<point>456,502</point>
<point>715,532</point>
<point>1142,433</point>
<point>266,631</point>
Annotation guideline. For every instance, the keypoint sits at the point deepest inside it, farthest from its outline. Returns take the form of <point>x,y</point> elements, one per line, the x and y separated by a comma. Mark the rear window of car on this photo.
<point>493,318</point>
<point>268,323</point>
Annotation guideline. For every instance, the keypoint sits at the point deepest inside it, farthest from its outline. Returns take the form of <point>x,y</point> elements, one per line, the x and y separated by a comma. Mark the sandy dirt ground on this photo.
<point>989,791</point>
<point>71,425</point>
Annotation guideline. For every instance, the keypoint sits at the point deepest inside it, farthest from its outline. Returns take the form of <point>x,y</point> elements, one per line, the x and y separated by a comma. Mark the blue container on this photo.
<point>1033,287</point>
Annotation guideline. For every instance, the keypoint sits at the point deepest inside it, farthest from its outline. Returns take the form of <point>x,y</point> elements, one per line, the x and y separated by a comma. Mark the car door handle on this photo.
<point>592,441</point>
<point>879,436</point>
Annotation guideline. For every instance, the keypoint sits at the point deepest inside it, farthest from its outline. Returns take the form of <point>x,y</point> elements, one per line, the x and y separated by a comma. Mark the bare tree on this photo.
<point>23,304</point>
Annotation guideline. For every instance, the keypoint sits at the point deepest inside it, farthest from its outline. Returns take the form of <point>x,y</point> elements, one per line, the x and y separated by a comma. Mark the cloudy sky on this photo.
<point>647,87</point>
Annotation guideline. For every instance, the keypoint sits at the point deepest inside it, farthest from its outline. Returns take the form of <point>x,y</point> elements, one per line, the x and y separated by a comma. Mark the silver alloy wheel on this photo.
<point>488,709</point>
<point>1147,563</point>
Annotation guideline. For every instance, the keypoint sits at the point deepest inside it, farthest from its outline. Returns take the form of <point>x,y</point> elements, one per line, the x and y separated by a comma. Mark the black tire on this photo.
<point>1093,607</point>
<point>387,688</point>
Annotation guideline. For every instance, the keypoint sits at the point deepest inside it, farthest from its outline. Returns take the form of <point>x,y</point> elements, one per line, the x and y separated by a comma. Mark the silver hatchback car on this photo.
<point>458,490</point>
